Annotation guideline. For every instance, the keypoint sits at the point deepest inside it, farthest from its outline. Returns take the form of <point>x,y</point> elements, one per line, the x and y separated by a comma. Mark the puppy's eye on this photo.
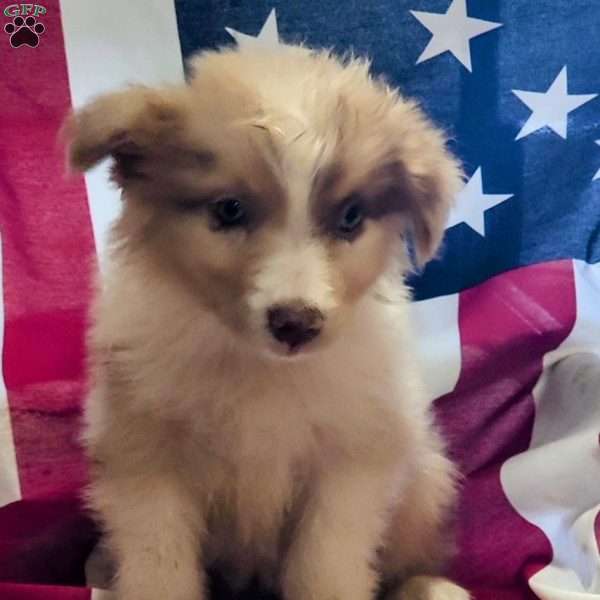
<point>229,212</point>
<point>350,219</point>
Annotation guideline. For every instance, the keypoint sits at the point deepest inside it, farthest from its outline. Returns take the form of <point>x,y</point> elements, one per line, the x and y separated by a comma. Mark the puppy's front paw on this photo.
<point>425,587</point>
<point>99,594</point>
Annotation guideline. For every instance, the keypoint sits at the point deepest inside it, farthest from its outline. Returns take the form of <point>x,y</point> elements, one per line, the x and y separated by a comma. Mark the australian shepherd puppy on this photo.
<point>255,402</point>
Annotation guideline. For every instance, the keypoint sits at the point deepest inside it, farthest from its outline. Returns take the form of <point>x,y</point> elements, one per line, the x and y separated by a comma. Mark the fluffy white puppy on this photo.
<point>255,403</point>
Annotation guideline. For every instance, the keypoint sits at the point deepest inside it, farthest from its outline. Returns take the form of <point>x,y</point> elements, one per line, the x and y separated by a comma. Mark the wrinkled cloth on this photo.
<point>507,319</point>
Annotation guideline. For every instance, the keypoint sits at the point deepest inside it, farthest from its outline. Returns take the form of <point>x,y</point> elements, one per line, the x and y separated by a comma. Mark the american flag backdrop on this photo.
<point>508,317</point>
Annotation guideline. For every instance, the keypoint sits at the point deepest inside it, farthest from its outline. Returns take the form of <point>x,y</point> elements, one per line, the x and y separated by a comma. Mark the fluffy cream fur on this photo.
<point>210,445</point>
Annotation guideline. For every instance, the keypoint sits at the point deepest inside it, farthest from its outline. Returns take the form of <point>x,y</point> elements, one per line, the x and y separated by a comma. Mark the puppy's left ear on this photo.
<point>433,177</point>
<point>128,125</point>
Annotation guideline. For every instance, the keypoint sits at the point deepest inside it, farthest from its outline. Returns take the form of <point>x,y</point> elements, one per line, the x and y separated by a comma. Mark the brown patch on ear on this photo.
<point>431,173</point>
<point>125,125</point>
<point>421,201</point>
<point>429,207</point>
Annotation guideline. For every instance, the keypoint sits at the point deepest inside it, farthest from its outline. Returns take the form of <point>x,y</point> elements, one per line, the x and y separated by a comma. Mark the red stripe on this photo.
<point>47,340</point>
<point>10,591</point>
<point>517,592</point>
<point>44,542</point>
<point>506,325</point>
<point>47,245</point>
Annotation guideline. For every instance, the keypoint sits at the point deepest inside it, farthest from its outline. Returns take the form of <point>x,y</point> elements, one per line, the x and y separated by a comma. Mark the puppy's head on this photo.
<point>274,186</point>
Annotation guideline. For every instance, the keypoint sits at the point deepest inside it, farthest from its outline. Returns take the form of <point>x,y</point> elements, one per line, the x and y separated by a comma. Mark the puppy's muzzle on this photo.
<point>294,324</point>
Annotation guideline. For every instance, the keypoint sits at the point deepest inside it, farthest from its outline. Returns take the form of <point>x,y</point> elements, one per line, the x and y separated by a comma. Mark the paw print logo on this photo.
<point>24,32</point>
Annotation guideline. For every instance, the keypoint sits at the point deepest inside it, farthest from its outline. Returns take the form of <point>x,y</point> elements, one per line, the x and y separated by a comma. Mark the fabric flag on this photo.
<point>508,317</point>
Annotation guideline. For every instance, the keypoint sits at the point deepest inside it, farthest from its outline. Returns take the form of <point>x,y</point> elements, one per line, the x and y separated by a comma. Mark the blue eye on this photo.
<point>350,219</point>
<point>229,212</point>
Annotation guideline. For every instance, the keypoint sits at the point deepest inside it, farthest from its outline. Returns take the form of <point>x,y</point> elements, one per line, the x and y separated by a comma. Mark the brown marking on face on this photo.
<point>382,191</point>
<point>397,189</point>
<point>173,203</point>
<point>131,162</point>
<point>190,189</point>
<point>358,260</point>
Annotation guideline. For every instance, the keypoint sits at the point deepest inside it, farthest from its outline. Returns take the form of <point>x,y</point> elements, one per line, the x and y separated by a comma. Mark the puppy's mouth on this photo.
<point>283,351</point>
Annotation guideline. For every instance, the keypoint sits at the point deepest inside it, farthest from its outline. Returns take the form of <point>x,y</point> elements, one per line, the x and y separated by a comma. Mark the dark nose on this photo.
<point>294,324</point>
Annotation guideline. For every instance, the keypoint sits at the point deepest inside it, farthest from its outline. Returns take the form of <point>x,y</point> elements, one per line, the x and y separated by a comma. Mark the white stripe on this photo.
<point>436,329</point>
<point>555,484</point>
<point>10,490</point>
<point>110,44</point>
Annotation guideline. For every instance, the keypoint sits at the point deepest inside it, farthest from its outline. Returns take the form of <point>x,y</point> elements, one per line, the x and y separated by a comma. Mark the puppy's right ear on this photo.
<point>126,125</point>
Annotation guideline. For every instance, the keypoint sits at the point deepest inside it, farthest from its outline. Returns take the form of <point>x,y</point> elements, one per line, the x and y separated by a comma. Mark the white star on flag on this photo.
<point>550,109</point>
<point>471,204</point>
<point>268,36</point>
<point>452,32</point>
<point>597,175</point>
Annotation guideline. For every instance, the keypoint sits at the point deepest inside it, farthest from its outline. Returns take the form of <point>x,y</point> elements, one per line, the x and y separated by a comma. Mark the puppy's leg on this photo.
<point>154,532</point>
<point>424,587</point>
<point>418,541</point>
<point>337,537</point>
